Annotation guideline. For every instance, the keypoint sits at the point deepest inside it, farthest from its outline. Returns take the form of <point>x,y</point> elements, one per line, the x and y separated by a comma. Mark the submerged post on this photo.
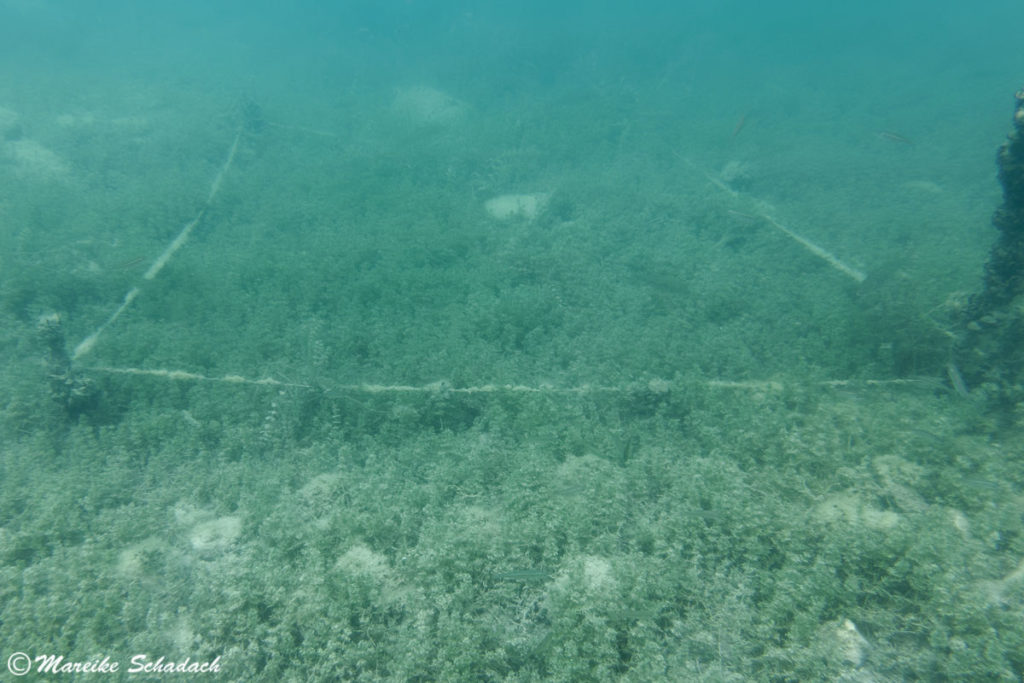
<point>72,394</point>
<point>990,348</point>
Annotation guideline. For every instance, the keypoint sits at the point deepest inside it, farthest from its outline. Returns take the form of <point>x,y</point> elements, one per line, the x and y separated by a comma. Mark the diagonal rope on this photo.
<point>86,345</point>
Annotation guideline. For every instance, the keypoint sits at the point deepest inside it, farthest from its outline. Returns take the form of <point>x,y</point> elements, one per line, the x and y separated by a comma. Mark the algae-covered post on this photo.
<point>72,393</point>
<point>990,349</point>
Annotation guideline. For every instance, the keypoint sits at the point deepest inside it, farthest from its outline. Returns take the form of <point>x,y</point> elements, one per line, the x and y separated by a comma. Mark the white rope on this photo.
<point>655,386</point>
<point>765,211</point>
<point>86,345</point>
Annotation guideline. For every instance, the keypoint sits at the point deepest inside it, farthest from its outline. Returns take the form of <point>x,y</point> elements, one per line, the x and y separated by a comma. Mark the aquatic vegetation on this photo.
<point>442,376</point>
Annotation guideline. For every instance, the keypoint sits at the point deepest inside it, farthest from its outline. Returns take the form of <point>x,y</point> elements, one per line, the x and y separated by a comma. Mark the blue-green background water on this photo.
<point>601,342</point>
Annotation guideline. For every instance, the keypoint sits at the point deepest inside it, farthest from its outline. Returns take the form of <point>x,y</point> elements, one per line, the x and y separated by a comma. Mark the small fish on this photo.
<point>739,125</point>
<point>894,137</point>
<point>957,380</point>
<point>138,260</point>
<point>746,217</point>
<point>981,483</point>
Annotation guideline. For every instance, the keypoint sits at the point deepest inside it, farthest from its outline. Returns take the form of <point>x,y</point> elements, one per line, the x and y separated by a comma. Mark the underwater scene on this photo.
<point>472,340</point>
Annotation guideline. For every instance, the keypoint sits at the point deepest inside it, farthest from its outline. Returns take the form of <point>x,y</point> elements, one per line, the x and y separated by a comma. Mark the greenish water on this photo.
<point>533,345</point>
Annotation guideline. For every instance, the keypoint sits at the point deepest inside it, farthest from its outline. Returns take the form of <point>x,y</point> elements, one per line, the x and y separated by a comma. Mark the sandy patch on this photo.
<point>8,122</point>
<point>510,206</point>
<point>848,508</point>
<point>215,536</point>
<point>32,158</point>
<point>427,106</point>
